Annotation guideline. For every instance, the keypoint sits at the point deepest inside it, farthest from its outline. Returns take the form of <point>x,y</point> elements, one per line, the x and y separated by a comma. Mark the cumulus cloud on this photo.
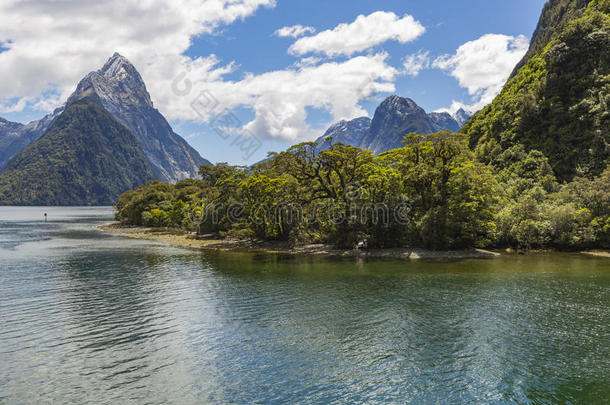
<point>73,37</point>
<point>362,34</point>
<point>294,31</point>
<point>15,106</point>
<point>415,63</point>
<point>52,44</point>
<point>309,61</point>
<point>280,98</point>
<point>337,87</point>
<point>482,66</point>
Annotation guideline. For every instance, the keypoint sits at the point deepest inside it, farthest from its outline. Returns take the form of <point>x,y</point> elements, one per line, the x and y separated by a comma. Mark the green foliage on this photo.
<point>529,171</point>
<point>555,16</point>
<point>433,192</point>
<point>570,216</point>
<point>591,201</point>
<point>133,204</point>
<point>602,6</point>
<point>451,195</point>
<point>267,204</point>
<point>429,193</point>
<point>551,121</point>
<point>558,102</point>
<point>85,158</point>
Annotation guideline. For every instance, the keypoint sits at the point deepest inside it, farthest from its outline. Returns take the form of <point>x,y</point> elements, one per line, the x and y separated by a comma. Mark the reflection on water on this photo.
<point>91,317</point>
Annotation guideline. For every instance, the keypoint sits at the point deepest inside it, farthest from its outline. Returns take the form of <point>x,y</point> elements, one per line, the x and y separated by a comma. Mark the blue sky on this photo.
<point>246,51</point>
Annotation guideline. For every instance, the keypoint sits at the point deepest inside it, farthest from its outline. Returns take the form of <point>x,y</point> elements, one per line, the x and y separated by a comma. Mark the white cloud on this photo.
<point>73,37</point>
<point>309,61</point>
<point>337,87</point>
<point>483,66</point>
<point>14,106</point>
<point>457,105</point>
<point>295,31</point>
<point>52,44</point>
<point>280,98</point>
<point>416,62</point>
<point>362,34</point>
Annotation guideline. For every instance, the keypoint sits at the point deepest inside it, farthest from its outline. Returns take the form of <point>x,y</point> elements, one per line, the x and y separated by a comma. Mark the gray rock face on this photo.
<point>346,132</point>
<point>85,158</point>
<point>121,91</point>
<point>397,117</point>
<point>461,116</point>
<point>8,127</point>
<point>442,121</point>
<point>393,119</point>
<point>14,137</point>
<point>11,140</point>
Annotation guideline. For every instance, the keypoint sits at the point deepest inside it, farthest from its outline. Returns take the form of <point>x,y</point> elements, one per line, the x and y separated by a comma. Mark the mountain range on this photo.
<point>555,102</point>
<point>393,119</point>
<point>117,98</point>
<point>14,137</point>
<point>69,156</point>
<point>85,158</point>
<point>109,138</point>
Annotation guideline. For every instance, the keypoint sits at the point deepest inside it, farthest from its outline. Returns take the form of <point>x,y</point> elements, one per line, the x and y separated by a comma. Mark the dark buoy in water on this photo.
<point>45,217</point>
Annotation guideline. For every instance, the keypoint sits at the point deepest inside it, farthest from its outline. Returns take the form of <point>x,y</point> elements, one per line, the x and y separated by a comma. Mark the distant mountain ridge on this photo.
<point>393,119</point>
<point>461,116</point>
<point>85,158</point>
<point>14,137</point>
<point>346,132</point>
<point>119,88</point>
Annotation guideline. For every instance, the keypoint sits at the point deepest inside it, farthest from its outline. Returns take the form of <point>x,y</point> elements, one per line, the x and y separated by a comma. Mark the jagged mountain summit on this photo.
<point>461,116</point>
<point>394,118</point>
<point>346,132</point>
<point>443,120</point>
<point>121,91</point>
<point>398,116</point>
<point>119,88</point>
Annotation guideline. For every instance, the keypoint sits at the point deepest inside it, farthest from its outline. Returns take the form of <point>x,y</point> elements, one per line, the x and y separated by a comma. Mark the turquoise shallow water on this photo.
<point>89,317</point>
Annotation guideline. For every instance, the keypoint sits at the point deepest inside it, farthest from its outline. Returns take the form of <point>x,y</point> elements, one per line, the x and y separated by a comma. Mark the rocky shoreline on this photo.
<point>177,237</point>
<point>597,253</point>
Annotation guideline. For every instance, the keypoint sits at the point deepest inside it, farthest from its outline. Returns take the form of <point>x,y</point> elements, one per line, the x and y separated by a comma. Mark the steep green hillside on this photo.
<point>558,102</point>
<point>85,158</point>
<point>555,15</point>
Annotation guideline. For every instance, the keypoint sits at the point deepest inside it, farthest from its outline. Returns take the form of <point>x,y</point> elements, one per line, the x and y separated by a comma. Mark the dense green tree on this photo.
<point>434,192</point>
<point>452,195</point>
<point>134,207</point>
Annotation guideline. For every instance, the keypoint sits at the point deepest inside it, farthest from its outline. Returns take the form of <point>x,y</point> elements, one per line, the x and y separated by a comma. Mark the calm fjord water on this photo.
<point>88,317</point>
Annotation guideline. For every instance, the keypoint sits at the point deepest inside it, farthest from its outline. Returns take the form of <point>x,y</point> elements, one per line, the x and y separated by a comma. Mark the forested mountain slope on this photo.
<point>557,102</point>
<point>85,158</point>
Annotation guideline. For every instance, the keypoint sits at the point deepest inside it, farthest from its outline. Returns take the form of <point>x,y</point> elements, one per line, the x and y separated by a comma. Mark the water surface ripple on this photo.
<point>88,317</point>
